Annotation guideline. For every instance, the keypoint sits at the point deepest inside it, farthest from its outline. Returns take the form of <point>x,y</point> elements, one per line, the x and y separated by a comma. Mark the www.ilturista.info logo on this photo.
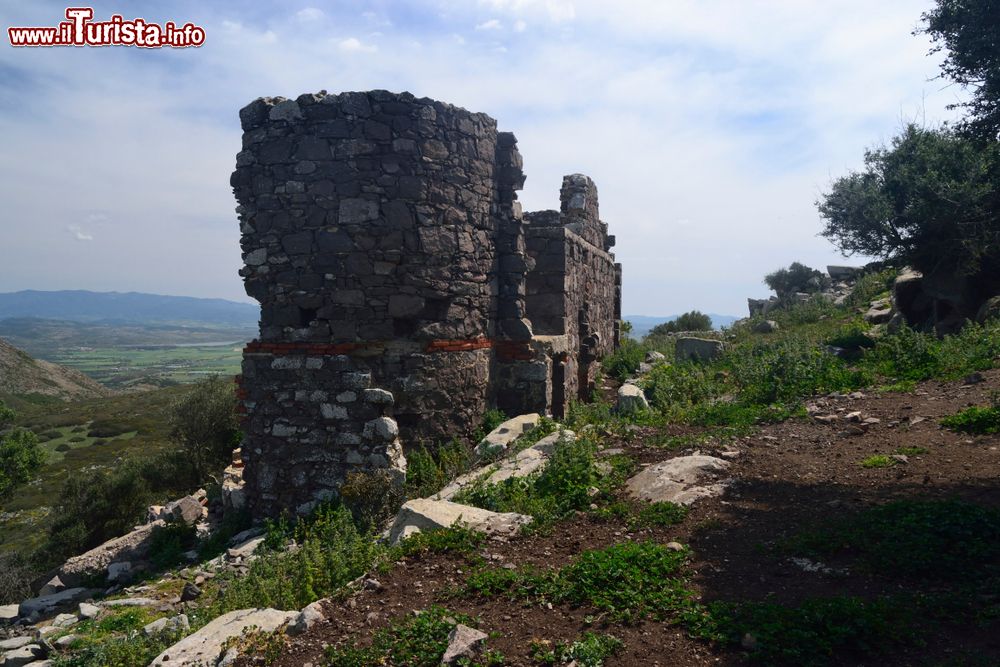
<point>80,30</point>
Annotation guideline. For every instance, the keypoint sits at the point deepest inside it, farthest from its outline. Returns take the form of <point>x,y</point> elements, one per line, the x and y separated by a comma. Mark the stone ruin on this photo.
<point>403,292</point>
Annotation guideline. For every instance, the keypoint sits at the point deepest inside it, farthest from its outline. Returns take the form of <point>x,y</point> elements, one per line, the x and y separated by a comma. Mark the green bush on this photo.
<point>675,387</point>
<point>168,543</point>
<point>331,552</point>
<point>691,321</point>
<point>107,428</point>
<point>205,424</point>
<point>21,456</point>
<point>427,472</point>
<point>786,282</point>
<point>975,420</point>
<point>788,371</point>
<point>591,650</point>
<point>624,362</point>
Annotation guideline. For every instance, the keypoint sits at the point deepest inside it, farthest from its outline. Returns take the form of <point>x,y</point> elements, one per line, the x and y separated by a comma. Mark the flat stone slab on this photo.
<point>131,546</point>
<point>697,349</point>
<point>23,656</point>
<point>425,514</point>
<point>15,643</point>
<point>509,431</point>
<point>205,646</point>
<point>43,603</point>
<point>682,480</point>
<point>245,549</point>
<point>522,464</point>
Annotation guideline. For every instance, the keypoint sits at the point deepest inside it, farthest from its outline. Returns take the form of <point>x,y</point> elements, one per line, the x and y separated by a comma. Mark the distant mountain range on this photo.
<point>641,324</point>
<point>135,307</point>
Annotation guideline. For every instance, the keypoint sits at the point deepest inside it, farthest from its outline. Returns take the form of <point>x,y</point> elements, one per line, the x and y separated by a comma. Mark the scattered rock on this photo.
<point>653,357</point>
<point>826,419</point>
<point>765,327</point>
<point>246,549</point>
<point>697,349</point>
<point>681,480</point>
<point>973,378</point>
<point>187,509</point>
<point>23,656</point>
<point>14,643</point>
<point>205,646</point>
<point>65,620</point>
<point>64,642</point>
<point>190,592</point>
<point>631,400</point>
<point>310,615</point>
<point>500,438</point>
<point>89,611</point>
<point>674,546</point>
<point>463,642</point>
<point>425,514</point>
<point>175,624</point>
<point>54,585</point>
<point>879,313</point>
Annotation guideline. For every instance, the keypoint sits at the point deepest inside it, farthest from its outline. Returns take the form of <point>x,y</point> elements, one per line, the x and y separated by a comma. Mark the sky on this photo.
<point>711,127</point>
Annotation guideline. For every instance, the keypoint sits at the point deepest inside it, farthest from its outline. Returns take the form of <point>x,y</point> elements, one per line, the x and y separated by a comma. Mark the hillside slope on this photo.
<point>22,374</point>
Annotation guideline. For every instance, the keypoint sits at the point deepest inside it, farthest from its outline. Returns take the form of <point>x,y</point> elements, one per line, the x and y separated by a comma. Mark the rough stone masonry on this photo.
<point>403,293</point>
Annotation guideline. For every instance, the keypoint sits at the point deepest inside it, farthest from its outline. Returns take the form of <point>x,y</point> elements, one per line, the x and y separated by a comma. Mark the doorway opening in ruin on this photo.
<point>559,386</point>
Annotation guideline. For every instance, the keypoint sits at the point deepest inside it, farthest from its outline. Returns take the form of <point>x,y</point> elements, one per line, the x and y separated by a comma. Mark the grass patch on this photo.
<point>811,634</point>
<point>974,420</point>
<point>428,472</point>
<point>455,540</point>
<point>648,516</point>
<point>627,582</point>
<point>878,461</point>
<point>590,650</point>
<point>415,641</point>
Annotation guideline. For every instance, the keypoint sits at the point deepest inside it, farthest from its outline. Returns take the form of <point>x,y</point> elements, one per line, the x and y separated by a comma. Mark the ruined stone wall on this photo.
<point>383,239</point>
<point>574,289</point>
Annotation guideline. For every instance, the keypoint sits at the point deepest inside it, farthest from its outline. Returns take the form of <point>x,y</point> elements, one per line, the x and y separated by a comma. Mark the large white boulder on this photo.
<point>425,514</point>
<point>681,480</point>
<point>44,603</point>
<point>205,646</point>
<point>631,400</point>
<point>132,546</point>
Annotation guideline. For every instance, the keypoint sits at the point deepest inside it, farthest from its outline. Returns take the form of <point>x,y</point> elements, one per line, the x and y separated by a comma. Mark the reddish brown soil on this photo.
<point>788,477</point>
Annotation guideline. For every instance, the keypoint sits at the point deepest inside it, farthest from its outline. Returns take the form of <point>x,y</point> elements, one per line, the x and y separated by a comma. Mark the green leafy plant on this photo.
<point>419,640</point>
<point>590,650</point>
<point>975,420</point>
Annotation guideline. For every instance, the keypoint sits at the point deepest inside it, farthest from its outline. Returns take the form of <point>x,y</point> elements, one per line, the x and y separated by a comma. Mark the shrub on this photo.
<point>21,457</point>
<point>372,497</point>
<point>205,424</point>
<point>690,321</point>
<point>107,428</point>
<point>168,543</point>
<point>427,473</point>
<point>786,282</point>
<point>16,575</point>
<point>675,387</point>
<point>624,362</point>
<point>591,650</point>
<point>331,553</point>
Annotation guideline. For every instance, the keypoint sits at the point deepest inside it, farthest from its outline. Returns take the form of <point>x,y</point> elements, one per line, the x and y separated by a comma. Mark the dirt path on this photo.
<point>789,477</point>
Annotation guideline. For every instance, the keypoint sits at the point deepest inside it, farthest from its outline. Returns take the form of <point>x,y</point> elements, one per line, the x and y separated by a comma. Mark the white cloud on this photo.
<point>492,24</point>
<point>79,234</point>
<point>520,25</point>
<point>354,45</point>
<point>310,14</point>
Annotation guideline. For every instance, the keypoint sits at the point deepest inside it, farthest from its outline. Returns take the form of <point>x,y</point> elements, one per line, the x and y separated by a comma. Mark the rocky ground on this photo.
<point>785,478</point>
